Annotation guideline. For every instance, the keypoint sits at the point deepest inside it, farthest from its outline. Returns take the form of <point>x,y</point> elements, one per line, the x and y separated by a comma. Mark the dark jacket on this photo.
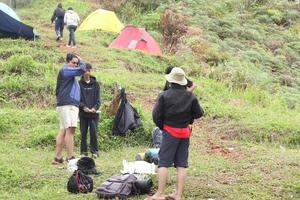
<point>58,13</point>
<point>89,97</point>
<point>176,107</point>
<point>67,87</point>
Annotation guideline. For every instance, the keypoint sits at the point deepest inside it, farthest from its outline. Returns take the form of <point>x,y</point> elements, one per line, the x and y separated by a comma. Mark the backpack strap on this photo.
<point>79,186</point>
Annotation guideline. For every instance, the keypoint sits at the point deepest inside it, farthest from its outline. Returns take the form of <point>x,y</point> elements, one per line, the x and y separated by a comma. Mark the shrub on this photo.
<point>174,26</point>
<point>23,64</point>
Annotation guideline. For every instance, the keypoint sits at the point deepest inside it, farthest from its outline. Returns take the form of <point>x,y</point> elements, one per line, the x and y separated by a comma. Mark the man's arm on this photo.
<point>98,97</point>
<point>77,71</point>
<point>53,16</point>
<point>197,110</point>
<point>158,112</point>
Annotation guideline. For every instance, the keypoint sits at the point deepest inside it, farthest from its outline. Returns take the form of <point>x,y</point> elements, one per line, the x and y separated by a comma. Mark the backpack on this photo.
<point>127,118</point>
<point>152,156</point>
<point>80,183</point>
<point>157,135</point>
<point>122,187</point>
<point>87,165</point>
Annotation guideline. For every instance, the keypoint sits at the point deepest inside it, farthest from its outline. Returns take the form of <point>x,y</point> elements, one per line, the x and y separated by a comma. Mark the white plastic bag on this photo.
<point>138,167</point>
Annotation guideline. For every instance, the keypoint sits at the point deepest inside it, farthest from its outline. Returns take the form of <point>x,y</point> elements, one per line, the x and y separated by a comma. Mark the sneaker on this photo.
<point>75,46</point>
<point>83,155</point>
<point>57,161</point>
<point>95,155</point>
<point>58,38</point>
<point>68,46</point>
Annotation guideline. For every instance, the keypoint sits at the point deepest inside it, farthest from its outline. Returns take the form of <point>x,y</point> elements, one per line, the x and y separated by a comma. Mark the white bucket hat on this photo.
<point>177,75</point>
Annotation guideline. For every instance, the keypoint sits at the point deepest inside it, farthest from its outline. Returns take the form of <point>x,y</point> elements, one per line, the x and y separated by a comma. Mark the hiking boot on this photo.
<point>57,161</point>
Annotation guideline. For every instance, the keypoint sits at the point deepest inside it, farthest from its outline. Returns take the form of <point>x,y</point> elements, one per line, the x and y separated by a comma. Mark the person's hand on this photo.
<point>190,127</point>
<point>86,109</point>
<point>93,110</point>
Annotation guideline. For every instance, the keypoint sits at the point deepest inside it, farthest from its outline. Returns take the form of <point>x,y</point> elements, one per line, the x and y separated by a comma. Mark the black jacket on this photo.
<point>89,97</point>
<point>176,107</point>
<point>58,13</point>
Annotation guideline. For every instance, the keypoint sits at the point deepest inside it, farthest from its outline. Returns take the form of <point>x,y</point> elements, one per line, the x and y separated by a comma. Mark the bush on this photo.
<point>174,26</point>
<point>23,64</point>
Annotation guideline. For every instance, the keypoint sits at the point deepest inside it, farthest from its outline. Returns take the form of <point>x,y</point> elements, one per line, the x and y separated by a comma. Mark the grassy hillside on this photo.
<point>244,58</point>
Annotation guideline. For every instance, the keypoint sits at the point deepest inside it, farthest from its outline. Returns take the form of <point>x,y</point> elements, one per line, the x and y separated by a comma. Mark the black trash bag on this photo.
<point>126,118</point>
<point>80,183</point>
<point>87,166</point>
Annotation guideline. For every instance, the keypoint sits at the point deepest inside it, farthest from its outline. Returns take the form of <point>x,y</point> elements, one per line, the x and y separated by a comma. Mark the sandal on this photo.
<point>155,198</point>
<point>57,161</point>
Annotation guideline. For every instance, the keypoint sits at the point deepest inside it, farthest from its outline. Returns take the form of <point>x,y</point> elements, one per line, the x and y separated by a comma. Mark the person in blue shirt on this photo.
<point>68,100</point>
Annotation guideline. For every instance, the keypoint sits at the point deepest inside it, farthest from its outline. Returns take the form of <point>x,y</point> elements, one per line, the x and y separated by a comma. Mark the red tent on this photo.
<point>132,37</point>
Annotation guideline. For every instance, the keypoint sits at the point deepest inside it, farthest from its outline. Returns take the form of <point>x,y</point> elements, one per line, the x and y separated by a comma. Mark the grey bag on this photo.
<point>157,137</point>
<point>122,186</point>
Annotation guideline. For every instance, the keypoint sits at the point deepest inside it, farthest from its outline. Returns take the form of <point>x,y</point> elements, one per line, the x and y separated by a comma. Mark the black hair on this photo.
<point>59,5</point>
<point>88,66</point>
<point>70,56</point>
<point>169,69</point>
<point>70,8</point>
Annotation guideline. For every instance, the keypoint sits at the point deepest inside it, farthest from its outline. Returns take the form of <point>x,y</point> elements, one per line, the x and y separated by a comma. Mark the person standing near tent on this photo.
<point>88,112</point>
<point>72,20</point>
<point>174,113</point>
<point>68,99</point>
<point>58,17</point>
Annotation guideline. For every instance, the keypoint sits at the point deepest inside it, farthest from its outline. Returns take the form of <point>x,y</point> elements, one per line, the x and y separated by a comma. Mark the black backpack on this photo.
<point>127,118</point>
<point>122,187</point>
<point>87,165</point>
<point>80,183</point>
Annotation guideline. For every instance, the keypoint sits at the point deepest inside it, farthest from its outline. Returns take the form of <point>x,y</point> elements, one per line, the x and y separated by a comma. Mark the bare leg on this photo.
<point>60,140</point>
<point>162,181</point>
<point>69,140</point>
<point>181,176</point>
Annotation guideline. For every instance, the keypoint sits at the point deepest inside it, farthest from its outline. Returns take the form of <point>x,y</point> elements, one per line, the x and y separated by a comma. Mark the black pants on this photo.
<point>59,27</point>
<point>72,30</point>
<point>91,123</point>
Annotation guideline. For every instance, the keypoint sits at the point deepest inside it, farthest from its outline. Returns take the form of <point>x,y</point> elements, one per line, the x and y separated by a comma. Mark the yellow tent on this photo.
<point>102,19</point>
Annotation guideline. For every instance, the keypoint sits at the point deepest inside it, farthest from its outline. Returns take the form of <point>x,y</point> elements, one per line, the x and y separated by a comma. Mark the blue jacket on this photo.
<point>67,87</point>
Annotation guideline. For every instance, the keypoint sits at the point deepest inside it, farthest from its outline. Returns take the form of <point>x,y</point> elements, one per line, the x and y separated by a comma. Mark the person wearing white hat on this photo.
<point>190,86</point>
<point>174,112</point>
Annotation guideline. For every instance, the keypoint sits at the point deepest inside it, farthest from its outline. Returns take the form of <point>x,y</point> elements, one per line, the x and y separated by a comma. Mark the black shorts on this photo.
<point>173,151</point>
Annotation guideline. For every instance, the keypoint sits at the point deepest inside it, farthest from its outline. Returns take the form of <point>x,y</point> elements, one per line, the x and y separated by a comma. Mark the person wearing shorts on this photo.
<point>174,113</point>
<point>68,99</point>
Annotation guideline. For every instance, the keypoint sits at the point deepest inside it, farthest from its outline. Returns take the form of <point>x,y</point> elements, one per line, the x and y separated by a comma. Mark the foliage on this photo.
<point>174,26</point>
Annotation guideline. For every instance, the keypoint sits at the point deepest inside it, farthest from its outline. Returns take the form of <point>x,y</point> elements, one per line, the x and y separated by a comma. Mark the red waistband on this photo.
<point>178,132</point>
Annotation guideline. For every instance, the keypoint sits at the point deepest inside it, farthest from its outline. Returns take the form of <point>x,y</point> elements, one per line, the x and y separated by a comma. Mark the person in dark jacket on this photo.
<point>58,16</point>
<point>68,99</point>
<point>88,113</point>
<point>174,113</point>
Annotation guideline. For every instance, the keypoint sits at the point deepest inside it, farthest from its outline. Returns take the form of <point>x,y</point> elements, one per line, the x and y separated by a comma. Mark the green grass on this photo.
<point>249,90</point>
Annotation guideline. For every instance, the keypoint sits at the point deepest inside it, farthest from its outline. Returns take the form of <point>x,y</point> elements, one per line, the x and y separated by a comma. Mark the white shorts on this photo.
<point>68,116</point>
